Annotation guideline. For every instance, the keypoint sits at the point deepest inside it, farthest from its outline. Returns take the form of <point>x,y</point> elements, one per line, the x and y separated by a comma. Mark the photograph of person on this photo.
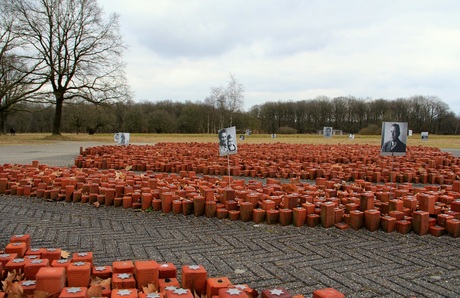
<point>327,132</point>
<point>424,136</point>
<point>227,141</point>
<point>394,137</point>
<point>223,148</point>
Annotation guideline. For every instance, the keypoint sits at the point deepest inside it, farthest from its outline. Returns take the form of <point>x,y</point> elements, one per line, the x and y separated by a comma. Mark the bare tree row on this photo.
<point>349,114</point>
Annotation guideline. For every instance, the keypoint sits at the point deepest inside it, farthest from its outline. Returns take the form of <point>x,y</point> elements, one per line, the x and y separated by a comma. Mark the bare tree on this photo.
<point>228,100</point>
<point>235,97</point>
<point>80,50</point>
<point>18,80</point>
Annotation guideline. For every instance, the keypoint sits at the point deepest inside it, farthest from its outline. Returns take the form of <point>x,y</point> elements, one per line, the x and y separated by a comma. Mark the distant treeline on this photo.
<point>349,114</point>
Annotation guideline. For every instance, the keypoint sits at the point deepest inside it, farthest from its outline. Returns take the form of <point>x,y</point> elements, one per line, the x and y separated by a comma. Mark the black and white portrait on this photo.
<point>227,141</point>
<point>327,132</point>
<point>394,138</point>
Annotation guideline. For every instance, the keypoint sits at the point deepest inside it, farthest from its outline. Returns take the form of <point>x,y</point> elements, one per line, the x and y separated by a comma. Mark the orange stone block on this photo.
<point>32,266</point>
<point>403,226</point>
<point>167,283</point>
<point>179,293</point>
<point>16,265</point>
<point>276,292</point>
<point>356,220</point>
<point>21,238</point>
<point>299,216</point>
<point>28,287</point>
<point>231,292</point>
<point>123,281</point>
<point>167,270</point>
<point>83,257</point>
<point>194,278</point>
<point>78,274</point>
<point>102,272</point>
<point>51,280</point>
<point>123,267</point>
<point>213,285</point>
<point>388,224</point>
<point>372,220</point>
<point>51,254</point>
<point>146,272</point>
<point>5,258</point>
<point>327,293</point>
<point>124,293</point>
<point>453,227</point>
<point>420,222</point>
<point>61,263</point>
<point>327,214</point>
<point>73,292</point>
<point>18,248</point>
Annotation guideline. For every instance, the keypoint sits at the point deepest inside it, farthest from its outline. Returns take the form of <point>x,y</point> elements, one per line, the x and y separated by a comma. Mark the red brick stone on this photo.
<point>276,292</point>
<point>420,222</point>
<point>5,258</point>
<point>124,293</point>
<point>164,283</point>
<point>372,220</point>
<point>146,272</point>
<point>453,227</point>
<point>123,281</point>
<point>327,214</point>
<point>258,215</point>
<point>18,248</point>
<point>78,274</point>
<point>32,266</point>
<point>123,267</point>
<point>73,292</point>
<point>441,219</point>
<point>102,272</point>
<point>61,263</point>
<point>51,254</point>
<point>437,231</point>
<point>83,257</point>
<point>167,270</point>
<point>231,292</point>
<point>387,224</point>
<point>285,216</point>
<point>299,215</point>
<point>213,285</point>
<point>426,202</point>
<point>21,238</point>
<point>28,287</point>
<point>327,293</point>
<point>356,220</point>
<point>194,278</point>
<point>313,220</point>
<point>16,265</point>
<point>179,293</point>
<point>403,226</point>
<point>272,216</point>
<point>51,280</point>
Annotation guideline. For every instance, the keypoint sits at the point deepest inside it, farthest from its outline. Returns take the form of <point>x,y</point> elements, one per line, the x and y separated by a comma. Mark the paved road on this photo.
<point>358,263</point>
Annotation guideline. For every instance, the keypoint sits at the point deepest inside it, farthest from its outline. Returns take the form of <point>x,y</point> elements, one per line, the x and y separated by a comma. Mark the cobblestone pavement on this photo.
<point>357,263</point>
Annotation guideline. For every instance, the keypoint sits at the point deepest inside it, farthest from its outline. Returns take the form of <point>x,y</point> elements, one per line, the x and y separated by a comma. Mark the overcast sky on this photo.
<point>291,49</point>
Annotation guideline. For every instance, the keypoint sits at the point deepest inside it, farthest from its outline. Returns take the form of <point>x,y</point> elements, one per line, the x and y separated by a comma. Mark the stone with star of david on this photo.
<point>73,290</point>
<point>124,292</point>
<point>124,276</point>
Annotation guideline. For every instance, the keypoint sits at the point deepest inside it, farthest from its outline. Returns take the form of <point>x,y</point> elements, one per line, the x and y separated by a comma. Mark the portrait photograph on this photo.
<point>227,141</point>
<point>394,139</point>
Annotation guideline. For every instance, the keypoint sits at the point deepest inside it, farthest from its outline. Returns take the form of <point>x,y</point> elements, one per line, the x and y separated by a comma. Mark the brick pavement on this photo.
<point>357,263</point>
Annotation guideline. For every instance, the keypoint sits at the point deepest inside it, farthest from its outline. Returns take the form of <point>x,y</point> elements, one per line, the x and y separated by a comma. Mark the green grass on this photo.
<point>42,138</point>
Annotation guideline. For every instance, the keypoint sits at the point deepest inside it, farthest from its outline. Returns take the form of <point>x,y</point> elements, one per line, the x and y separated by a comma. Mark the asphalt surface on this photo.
<point>301,260</point>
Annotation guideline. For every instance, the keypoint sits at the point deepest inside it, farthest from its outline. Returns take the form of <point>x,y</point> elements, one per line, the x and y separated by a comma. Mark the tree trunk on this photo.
<point>2,123</point>
<point>58,117</point>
